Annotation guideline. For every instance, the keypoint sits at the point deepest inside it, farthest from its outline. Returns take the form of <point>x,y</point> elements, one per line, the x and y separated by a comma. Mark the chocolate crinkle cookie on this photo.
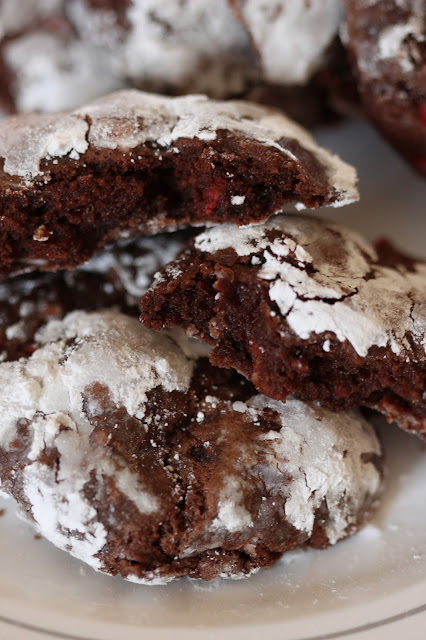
<point>178,46</point>
<point>130,451</point>
<point>302,306</point>
<point>221,48</point>
<point>56,55</point>
<point>134,163</point>
<point>387,43</point>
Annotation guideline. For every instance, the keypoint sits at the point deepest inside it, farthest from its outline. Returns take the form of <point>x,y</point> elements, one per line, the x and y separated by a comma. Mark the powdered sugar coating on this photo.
<point>392,46</point>
<point>342,291</point>
<point>127,119</point>
<point>59,507</point>
<point>232,515</point>
<point>56,376</point>
<point>27,140</point>
<point>316,459</point>
<point>135,262</point>
<point>15,16</point>
<point>117,276</point>
<point>396,46</point>
<point>49,390</point>
<point>147,359</point>
<point>321,465</point>
<point>386,41</point>
<point>53,73</point>
<point>291,37</point>
<point>171,45</point>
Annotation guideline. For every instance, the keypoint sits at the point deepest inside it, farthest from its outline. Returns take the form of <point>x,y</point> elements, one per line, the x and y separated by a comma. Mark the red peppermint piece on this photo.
<point>213,194</point>
<point>342,392</point>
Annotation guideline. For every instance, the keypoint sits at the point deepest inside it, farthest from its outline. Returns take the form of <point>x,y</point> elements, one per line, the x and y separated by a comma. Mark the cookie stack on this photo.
<point>187,403</point>
<point>126,447</point>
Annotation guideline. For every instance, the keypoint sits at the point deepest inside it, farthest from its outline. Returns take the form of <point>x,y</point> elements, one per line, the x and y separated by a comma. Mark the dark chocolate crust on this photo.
<point>365,347</point>
<point>387,44</point>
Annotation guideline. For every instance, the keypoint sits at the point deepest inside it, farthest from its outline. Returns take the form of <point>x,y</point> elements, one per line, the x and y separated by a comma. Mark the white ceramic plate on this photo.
<point>370,587</point>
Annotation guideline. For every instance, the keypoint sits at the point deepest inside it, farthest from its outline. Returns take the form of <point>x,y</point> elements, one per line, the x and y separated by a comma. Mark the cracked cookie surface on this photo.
<point>100,403</point>
<point>307,307</point>
<point>135,164</point>
<point>134,454</point>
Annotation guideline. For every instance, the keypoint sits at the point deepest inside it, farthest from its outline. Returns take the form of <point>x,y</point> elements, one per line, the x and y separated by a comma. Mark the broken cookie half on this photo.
<point>303,306</point>
<point>135,163</point>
